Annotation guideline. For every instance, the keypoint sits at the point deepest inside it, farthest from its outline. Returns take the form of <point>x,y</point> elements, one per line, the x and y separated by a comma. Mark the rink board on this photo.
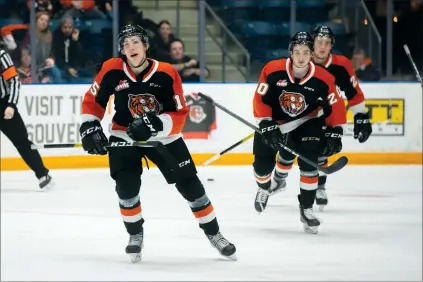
<point>52,115</point>
<point>227,159</point>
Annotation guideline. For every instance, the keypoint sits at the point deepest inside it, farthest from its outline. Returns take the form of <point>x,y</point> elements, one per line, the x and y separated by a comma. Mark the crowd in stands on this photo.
<point>73,37</point>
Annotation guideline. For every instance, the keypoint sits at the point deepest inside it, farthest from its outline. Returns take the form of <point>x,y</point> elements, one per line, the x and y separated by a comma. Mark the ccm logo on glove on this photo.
<point>90,130</point>
<point>269,128</point>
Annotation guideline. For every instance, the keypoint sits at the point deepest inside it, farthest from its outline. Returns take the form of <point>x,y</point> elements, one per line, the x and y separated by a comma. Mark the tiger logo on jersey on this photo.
<point>142,103</point>
<point>293,104</point>
<point>197,114</point>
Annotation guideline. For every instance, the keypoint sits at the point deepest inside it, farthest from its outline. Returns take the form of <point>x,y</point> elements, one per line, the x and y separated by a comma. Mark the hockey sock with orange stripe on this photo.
<point>131,212</point>
<point>308,186</point>
<point>283,167</point>
<point>203,211</point>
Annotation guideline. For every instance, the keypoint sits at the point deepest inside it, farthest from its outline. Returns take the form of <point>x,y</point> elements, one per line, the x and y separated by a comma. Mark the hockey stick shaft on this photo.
<point>413,64</point>
<point>112,144</point>
<point>164,152</point>
<point>337,165</point>
<point>230,148</point>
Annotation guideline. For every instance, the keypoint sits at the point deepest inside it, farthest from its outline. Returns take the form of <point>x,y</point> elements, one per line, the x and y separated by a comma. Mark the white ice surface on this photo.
<point>371,230</point>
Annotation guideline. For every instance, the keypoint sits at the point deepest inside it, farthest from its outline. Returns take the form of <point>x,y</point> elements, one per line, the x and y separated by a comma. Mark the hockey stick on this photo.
<point>413,64</point>
<point>334,167</point>
<point>164,152</point>
<point>112,144</point>
<point>218,155</point>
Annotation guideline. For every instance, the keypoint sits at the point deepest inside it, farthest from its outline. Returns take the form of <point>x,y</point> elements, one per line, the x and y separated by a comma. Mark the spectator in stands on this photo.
<point>82,9</point>
<point>363,66</point>
<point>106,7</point>
<point>68,51</point>
<point>161,44</point>
<point>24,69</point>
<point>42,6</point>
<point>24,66</point>
<point>187,67</point>
<point>44,41</point>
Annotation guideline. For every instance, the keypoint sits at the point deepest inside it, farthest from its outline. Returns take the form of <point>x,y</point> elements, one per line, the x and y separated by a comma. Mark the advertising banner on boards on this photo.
<point>387,117</point>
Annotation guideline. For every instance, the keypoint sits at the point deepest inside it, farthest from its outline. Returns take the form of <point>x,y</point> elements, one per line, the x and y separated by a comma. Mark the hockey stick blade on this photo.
<point>336,166</point>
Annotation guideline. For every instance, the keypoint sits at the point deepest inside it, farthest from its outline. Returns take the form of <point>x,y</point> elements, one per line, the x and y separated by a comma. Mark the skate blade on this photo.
<point>310,229</point>
<point>135,257</point>
<point>231,257</point>
<point>259,209</point>
<point>321,207</point>
<point>46,188</point>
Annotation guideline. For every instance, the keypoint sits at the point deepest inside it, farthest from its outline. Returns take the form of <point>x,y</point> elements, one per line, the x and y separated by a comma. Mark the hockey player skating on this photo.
<point>341,68</point>
<point>11,123</point>
<point>149,104</point>
<point>295,103</point>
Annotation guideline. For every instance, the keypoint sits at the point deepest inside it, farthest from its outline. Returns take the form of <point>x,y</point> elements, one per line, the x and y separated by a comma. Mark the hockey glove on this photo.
<point>145,127</point>
<point>93,138</point>
<point>272,135</point>
<point>332,143</point>
<point>362,127</point>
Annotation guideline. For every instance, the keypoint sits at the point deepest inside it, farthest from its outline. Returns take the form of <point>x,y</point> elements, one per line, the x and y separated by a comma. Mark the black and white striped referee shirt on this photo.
<point>9,79</point>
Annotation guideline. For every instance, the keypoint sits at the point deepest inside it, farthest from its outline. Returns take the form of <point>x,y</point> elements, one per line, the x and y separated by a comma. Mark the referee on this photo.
<point>11,123</point>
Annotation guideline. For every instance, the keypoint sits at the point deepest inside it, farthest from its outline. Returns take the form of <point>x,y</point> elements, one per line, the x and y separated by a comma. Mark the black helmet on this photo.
<point>131,30</point>
<point>301,37</point>
<point>325,32</point>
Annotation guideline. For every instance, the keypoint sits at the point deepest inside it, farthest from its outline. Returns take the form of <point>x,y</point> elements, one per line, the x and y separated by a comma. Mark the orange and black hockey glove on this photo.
<point>362,127</point>
<point>145,127</point>
<point>272,135</point>
<point>92,137</point>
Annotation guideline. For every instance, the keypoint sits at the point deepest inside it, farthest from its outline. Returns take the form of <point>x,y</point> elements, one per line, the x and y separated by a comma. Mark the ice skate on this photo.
<point>310,222</point>
<point>135,246</point>
<point>278,183</point>
<point>321,198</point>
<point>261,199</point>
<point>45,182</point>
<point>223,246</point>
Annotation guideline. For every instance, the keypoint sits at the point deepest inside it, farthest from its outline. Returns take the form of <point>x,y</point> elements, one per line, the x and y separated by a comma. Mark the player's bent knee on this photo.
<point>128,184</point>
<point>190,188</point>
<point>263,165</point>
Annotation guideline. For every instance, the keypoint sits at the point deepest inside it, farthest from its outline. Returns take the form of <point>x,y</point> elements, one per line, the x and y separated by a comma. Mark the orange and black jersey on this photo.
<point>341,68</point>
<point>157,89</point>
<point>291,101</point>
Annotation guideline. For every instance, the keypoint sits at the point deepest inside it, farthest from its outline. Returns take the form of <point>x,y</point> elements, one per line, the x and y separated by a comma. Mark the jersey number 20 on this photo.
<point>332,97</point>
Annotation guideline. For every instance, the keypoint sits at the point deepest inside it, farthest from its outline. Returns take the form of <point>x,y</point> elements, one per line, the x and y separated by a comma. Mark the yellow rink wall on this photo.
<point>78,162</point>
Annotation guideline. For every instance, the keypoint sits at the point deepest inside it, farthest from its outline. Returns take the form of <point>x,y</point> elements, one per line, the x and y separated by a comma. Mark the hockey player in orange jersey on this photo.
<point>295,103</point>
